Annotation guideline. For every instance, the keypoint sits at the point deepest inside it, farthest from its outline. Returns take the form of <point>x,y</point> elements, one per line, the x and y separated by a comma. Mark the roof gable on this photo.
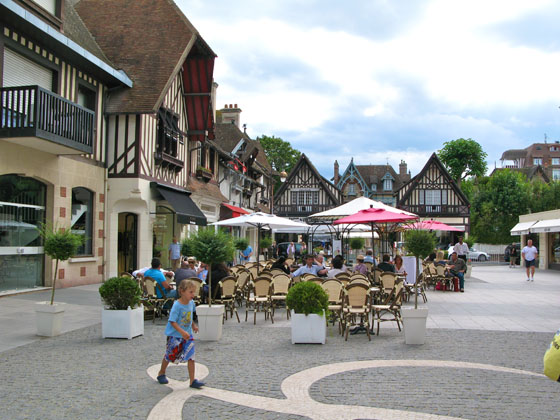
<point>352,172</point>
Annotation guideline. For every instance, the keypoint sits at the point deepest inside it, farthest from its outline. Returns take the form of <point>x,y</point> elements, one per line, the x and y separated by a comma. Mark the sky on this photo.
<point>385,80</point>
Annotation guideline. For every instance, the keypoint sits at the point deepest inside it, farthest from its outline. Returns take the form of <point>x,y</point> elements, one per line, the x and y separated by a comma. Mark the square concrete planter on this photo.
<point>49,318</point>
<point>210,322</point>
<point>414,323</point>
<point>122,324</point>
<point>308,329</point>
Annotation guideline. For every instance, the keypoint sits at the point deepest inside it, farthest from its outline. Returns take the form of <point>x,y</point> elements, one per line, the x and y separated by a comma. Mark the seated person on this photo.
<point>309,268</point>
<point>360,267</point>
<point>157,275</point>
<point>457,268</point>
<point>280,264</point>
<point>202,272</point>
<point>140,272</point>
<point>186,271</point>
<point>319,261</point>
<point>430,258</point>
<point>337,268</point>
<point>218,272</point>
<point>439,258</point>
<point>399,266</point>
<point>369,257</point>
<point>386,265</point>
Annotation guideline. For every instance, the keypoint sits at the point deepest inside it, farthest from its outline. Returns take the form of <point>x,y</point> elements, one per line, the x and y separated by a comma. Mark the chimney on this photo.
<point>402,169</point>
<point>231,114</point>
<point>336,175</point>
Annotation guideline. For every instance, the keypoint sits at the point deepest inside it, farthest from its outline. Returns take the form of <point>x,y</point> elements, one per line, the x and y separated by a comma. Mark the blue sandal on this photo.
<point>197,384</point>
<point>162,379</point>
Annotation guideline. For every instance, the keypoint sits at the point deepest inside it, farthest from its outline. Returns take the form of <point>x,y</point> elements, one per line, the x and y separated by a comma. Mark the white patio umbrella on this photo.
<point>354,206</point>
<point>261,220</point>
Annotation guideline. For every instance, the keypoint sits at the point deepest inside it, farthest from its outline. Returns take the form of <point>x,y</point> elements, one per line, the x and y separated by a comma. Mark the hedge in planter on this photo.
<point>118,293</point>
<point>307,298</point>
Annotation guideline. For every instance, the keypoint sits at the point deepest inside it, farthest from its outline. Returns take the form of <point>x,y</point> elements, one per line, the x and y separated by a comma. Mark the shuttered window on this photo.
<point>20,71</point>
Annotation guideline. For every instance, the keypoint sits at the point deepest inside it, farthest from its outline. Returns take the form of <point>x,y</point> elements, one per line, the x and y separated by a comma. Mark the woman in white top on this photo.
<point>337,268</point>
<point>399,266</point>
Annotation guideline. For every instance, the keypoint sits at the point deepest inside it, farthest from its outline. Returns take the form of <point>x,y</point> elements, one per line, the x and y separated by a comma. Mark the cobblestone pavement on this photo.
<point>80,375</point>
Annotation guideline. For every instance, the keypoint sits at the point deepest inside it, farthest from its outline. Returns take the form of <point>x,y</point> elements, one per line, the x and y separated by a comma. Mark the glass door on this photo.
<point>22,210</point>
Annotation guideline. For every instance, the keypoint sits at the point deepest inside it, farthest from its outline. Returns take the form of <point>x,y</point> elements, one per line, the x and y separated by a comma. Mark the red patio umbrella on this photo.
<point>376,217</point>
<point>431,225</point>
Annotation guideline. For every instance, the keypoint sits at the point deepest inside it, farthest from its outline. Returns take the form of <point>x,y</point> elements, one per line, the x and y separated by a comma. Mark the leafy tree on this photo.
<point>211,247</point>
<point>419,243</point>
<point>357,243</point>
<point>463,158</point>
<point>280,154</point>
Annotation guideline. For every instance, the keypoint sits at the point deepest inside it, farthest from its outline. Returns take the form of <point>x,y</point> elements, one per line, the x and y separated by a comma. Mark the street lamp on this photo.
<point>283,176</point>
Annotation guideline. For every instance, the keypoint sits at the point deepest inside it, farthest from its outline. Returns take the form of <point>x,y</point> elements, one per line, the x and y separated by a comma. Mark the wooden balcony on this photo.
<point>35,117</point>
<point>437,210</point>
<point>299,210</point>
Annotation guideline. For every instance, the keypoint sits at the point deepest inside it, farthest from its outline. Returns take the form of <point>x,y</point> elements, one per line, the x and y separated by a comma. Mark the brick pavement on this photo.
<point>80,375</point>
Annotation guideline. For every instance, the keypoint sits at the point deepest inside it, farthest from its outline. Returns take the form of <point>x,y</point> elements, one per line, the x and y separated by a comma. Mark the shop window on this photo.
<point>169,134</point>
<point>82,218</point>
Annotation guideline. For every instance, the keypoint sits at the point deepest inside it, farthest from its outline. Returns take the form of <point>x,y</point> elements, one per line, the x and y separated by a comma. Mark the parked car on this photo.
<point>507,250</point>
<point>474,254</point>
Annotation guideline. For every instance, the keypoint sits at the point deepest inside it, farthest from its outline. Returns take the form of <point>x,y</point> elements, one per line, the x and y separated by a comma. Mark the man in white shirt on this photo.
<point>309,268</point>
<point>462,249</point>
<point>530,253</point>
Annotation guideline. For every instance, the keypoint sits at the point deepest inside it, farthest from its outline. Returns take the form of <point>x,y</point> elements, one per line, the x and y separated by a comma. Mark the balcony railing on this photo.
<point>437,209</point>
<point>299,210</point>
<point>33,112</point>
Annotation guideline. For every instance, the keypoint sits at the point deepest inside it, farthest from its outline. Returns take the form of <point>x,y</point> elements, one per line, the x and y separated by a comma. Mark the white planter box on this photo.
<point>49,318</point>
<point>122,324</point>
<point>210,322</point>
<point>310,328</point>
<point>468,272</point>
<point>414,322</point>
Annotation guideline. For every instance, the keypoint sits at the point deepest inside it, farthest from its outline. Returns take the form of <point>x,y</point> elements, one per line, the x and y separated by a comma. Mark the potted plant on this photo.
<point>356,244</point>
<point>308,303</point>
<point>203,173</point>
<point>419,243</point>
<point>59,244</point>
<point>121,317</point>
<point>210,247</point>
<point>241,244</point>
<point>265,244</point>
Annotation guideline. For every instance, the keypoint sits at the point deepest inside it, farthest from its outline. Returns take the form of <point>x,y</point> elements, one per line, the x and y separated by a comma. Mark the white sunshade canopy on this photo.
<point>260,220</point>
<point>324,229</point>
<point>522,228</point>
<point>354,206</point>
<point>550,225</point>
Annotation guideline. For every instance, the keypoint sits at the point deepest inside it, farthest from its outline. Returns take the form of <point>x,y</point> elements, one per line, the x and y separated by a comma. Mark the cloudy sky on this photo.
<point>382,80</point>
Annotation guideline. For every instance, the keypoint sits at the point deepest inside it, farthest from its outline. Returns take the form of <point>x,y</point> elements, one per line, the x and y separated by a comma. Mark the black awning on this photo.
<point>187,211</point>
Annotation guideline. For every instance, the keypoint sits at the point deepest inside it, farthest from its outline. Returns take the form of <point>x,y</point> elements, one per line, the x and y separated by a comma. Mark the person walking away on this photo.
<point>512,256</point>
<point>462,249</point>
<point>179,332</point>
<point>530,253</point>
<point>174,253</point>
<point>457,268</point>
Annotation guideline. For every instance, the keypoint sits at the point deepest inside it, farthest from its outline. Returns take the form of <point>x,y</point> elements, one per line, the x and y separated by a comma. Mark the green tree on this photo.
<point>280,155</point>
<point>419,243</point>
<point>463,158</point>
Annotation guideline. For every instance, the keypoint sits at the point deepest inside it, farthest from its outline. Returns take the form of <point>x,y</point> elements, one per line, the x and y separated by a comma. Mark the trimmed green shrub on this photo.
<point>266,242</point>
<point>118,293</point>
<point>307,298</point>
<point>241,244</point>
<point>419,243</point>
<point>357,243</point>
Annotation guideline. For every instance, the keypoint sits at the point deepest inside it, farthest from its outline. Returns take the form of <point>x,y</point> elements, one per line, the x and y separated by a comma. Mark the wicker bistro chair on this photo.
<point>392,306</point>
<point>280,286</point>
<point>254,271</point>
<point>360,280</point>
<point>357,276</point>
<point>243,280</point>
<point>277,271</point>
<point>228,291</point>
<point>314,279</point>
<point>442,276</point>
<point>334,289</point>
<point>260,299</point>
<point>369,266</point>
<point>376,273</point>
<point>150,287</point>
<point>307,276</point>
<point>343,277</point>
<point>388,281</point>
<point>357,303</point>
<point>198,291</point>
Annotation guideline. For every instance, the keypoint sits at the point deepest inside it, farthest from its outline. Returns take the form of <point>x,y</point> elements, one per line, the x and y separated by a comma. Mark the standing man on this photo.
<point>174,253</point>
<point>291,251</point>
<point>530,253</point>
<point>512,256</point>
<point>461,249</point>
<point>246,254</point>
<point>457,268</point>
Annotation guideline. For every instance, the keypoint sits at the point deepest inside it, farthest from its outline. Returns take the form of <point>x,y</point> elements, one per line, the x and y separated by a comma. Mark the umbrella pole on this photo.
<point>258,248</point>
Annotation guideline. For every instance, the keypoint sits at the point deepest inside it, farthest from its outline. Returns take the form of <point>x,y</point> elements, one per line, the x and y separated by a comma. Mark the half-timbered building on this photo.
<point>433,194</point>
<point>55,82</point>
<point>156,130</point>
<point>305,192</point>
<point>378,182</point>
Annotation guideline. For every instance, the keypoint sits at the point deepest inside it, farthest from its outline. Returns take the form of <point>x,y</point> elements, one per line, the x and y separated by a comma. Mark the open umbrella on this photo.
<point>376,217</point>
<point>431,225</point>
<point>261,220</point>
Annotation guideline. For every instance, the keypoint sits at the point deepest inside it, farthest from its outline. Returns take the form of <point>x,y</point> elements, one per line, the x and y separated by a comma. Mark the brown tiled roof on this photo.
<point>148,39</point>
<point>529,172</point>
<point>373,174</point>
<point>206,189</point>
<point>513,154</point>
<point>76,30</point>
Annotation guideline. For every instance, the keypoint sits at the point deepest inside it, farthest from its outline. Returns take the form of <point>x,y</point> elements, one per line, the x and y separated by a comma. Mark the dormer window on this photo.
<point>374,187</point>
<point>351,189</point>
<point>48,5</point>
<point>388,185</point>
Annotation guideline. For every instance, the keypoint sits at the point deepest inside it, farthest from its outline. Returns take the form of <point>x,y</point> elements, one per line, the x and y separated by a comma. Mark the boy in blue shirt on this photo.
<point>179,331</point>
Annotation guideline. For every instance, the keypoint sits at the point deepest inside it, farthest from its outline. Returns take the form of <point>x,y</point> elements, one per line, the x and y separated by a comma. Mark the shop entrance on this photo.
<point>127,253</point>
<point>164,230</point>
<point>22,210</point>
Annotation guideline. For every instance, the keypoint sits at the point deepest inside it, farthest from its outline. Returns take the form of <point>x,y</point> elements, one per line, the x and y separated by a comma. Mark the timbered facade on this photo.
<point>55,81</point>
<point>305,192</point>
<point>159,175</point>
<point>433,194</point>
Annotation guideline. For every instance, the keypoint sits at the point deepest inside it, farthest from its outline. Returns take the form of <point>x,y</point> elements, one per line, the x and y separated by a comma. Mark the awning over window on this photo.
<point>235,211</point>
<point>197,80</point>
<point>521,228</point>
<point>187,211</point>
<point>551,225</point>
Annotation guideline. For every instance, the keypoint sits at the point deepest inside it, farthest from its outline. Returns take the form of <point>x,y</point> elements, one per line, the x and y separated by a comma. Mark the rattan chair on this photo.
<point>388,281</point>
<point>260,299</point>
<point>334,288</point>
<point>228,291</point>
<point>392,306</point>
<point>280,286</point>
<point>243,280</point>
<point>357,305</point>
<point>157,303</point>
